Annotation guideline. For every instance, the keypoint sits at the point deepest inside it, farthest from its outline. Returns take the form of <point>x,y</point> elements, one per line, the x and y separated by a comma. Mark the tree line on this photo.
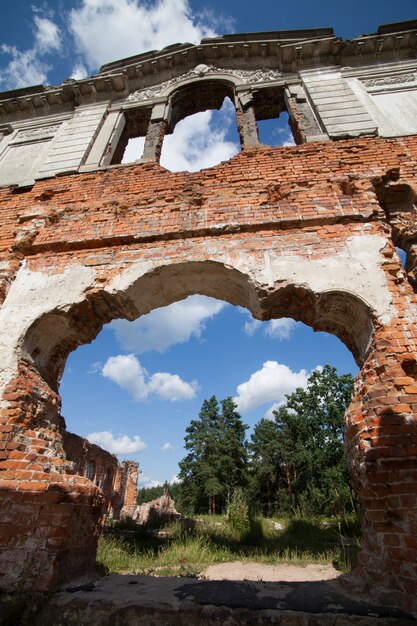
<point>292,463</point>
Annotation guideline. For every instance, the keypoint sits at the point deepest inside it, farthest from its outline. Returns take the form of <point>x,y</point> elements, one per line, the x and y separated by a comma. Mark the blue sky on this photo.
<point>137,386</point>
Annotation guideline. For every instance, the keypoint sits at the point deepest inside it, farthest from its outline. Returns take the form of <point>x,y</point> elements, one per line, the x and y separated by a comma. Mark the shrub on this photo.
<point>238,515</point>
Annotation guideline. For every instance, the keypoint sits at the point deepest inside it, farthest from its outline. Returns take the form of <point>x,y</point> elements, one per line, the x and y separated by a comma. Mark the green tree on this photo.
<point>297,461</point>
<point>310,429</point>
<point>265,462</point>
<point>216,462</point>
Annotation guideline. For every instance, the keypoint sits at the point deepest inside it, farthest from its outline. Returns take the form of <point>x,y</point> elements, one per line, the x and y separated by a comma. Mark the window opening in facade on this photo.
<point>272,117</point>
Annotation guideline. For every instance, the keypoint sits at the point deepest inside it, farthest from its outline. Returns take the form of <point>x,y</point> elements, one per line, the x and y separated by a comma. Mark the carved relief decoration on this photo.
<point>248,76</point>
<point>35,133</point>
<point>389,80</point>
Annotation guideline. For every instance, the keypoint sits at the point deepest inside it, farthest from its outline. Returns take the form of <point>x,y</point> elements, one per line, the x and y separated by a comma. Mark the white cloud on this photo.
<point>117,445</point>
<point>134,149</point>
<point>127,372</point>
<point>167,446</point>
<point>25,68</point>
<point>174,480</point>
<point>171,387</point>
<point>276,329</point>
<point>105,30</point>
<point>285,136</point>
<point>79,71</point>
<point>269,415</point>
<point>47,35</point>
<point>147,482</point>
<point>281,328</point>
<point>167,326</point>
<point>28,67</point>
<point>269,384</point>
<point>95,367</point>
<point>199,141</point>
<point>252,326</point>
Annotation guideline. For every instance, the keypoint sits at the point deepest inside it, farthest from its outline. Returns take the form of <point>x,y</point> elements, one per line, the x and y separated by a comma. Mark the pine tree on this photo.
<point>310,431</point>
<point>265,458</point>
<point>216,462</point>
<point>297,461</point>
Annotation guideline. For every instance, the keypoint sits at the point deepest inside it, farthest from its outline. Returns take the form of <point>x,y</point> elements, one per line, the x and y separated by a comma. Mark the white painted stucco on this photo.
<point>31,295</point>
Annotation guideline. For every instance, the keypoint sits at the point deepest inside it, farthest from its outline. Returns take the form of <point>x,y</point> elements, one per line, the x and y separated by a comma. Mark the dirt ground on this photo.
<point>237,570</point>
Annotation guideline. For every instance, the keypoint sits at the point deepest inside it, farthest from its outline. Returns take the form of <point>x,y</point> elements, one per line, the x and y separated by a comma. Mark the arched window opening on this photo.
<point>202,140</point>
<point>202,130</point>
<point>141,383</point>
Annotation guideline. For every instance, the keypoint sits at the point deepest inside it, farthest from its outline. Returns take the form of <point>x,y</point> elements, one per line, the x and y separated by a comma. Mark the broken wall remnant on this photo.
<point>157,511</point>
<point>117,481</point>
<point>307,231</point>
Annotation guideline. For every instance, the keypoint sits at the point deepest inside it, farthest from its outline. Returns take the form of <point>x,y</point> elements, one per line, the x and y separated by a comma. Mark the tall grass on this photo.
<point>187,552</point>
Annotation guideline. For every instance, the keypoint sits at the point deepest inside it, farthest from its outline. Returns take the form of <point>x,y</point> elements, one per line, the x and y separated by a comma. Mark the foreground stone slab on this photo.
<point>127,600</point>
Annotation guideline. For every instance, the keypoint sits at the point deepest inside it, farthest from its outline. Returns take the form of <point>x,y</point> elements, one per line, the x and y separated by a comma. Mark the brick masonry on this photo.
<point>304,231</point>
<point>118,482</point>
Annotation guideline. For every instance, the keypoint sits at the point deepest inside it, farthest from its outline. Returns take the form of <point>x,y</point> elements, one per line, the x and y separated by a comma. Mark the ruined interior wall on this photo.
<point>116,481</point>
<point>284,231</point>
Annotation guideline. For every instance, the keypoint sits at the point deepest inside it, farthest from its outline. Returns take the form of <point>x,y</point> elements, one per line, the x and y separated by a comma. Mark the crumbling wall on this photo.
<point>307,231</point>
<point>118,482</point>
<point>156,511</point>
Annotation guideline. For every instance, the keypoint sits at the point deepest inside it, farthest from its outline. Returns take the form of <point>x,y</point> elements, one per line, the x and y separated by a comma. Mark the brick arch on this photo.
<point>197,96</point>
<point>68,507</point>
<point>50,338</point>
<point>339,312</point>
<point>66,542</point>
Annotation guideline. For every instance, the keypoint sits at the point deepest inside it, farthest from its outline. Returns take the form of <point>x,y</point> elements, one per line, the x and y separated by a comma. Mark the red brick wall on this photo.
<point>307,200</point>
<point>118,482</point>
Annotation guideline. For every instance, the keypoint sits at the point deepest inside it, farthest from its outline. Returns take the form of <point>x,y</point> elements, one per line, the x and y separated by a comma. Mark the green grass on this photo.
<point>187,553</point>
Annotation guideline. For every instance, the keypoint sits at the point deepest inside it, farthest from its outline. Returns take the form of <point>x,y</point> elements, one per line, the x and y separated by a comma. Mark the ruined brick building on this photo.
<point>308,231</point>
<point>118,482</point>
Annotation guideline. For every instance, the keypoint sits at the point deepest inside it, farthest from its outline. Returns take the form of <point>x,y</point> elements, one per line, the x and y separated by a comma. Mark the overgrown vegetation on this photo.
<point>292,468</point>
<point>187,552</point>
<point>292,464</point>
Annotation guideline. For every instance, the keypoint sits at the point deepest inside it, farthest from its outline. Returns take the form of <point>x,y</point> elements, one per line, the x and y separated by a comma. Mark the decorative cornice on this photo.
<point>389,80</point>
<point>36,133</point>
<point>247,76</point>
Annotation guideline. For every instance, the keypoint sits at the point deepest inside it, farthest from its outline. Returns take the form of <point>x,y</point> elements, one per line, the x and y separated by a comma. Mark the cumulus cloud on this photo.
<point>24,68</point>
<point>269,413</point>
<point>199,141</point>
<point>134,149</point>
<point>280,329</point>
<point>122,444</point>
<point>251,326</point>
<point>269,384</point>
<point>284,136</point>
<point>171,387</point>
<point>167,326</point>
<point>29,67</point>
<point>79,71</point>
<point>276,329</point>
<point>147,482</point>
<point>47,35</point>
<point>105,30</point>
<point>167,446</point>
<point>127,372</point>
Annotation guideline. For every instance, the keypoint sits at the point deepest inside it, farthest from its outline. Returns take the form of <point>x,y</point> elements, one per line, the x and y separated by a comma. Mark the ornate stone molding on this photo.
<point>389,80</point>
<point>35,133</point>
<point>248,76</point>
